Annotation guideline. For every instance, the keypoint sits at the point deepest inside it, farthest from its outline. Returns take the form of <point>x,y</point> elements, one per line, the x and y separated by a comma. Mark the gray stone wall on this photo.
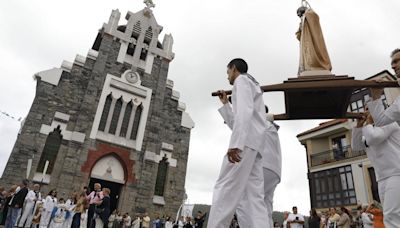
<point>77,95</point>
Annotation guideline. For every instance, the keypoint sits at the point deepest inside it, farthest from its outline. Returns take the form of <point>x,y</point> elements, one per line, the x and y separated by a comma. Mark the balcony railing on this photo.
<point>335,155</point>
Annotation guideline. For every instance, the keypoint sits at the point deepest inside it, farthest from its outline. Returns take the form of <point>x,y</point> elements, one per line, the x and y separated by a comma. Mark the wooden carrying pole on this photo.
<point>325,84</point>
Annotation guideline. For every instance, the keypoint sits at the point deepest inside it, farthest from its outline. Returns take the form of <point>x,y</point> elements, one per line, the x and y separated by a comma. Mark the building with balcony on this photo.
<point>339,176</point>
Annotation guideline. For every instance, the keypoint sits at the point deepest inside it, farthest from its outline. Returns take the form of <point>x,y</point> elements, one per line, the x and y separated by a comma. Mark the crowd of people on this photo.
<point>24,206</point>
<point>366,216</point>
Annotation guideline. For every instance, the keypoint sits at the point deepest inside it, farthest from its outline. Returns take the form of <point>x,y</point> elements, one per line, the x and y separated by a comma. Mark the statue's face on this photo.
<point>396,64</point>
<point>301,11</point>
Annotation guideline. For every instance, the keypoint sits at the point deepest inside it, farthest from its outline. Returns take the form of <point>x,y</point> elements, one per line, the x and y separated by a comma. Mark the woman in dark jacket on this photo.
<point>105,206</point>
<point>314,220</point>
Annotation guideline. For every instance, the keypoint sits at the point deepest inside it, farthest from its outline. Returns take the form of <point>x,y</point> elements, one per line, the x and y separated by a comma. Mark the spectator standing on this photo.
<point>344,221</point>
<point>324,219</point>
<point>112,218</point>
<point>333,218</point>
<point>78,219</point>
<point>168,223</point>
<point>146,221</point>
<point>188,223</point>
<point>3,197</point>
<point>136,222</point>
<point>58,215</point>
<point>314,221</point>
<point>295,219</point>
<point>127,221</point>
<point>367,218</point>
<point>285,217</point>
<point>377,214</point>
<point>94,198</point>
<point>16,204</point>
<point>181,222</point>
<point>31,199</point>
<point>104,208</point>
<point>199,220</point>
<point>48,205</point>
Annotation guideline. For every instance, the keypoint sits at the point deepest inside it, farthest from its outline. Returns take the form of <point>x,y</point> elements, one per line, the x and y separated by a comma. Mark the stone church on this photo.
<point>111,117</point>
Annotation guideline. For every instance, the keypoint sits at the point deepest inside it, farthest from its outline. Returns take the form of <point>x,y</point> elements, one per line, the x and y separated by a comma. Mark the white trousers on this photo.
<point>233,181</point>
<point>389,189</point>
<point>27,216</point>
<point>45,219</point>
<point>271,180</point>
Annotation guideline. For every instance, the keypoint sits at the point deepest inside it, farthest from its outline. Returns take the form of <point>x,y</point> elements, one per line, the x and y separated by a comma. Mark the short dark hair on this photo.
<point>25,182</point>
<point>240,65</point>
<point>395,51</point>
<point>294,207</point>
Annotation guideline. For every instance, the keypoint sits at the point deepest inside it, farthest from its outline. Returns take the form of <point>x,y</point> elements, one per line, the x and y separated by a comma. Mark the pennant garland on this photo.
<point>4,113</point>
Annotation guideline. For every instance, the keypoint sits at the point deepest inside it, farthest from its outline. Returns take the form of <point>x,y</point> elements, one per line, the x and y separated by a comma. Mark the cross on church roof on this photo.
<point>149,3</point>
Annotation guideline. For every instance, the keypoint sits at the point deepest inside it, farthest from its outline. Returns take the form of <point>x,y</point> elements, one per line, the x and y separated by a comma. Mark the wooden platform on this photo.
<point>320,97</point>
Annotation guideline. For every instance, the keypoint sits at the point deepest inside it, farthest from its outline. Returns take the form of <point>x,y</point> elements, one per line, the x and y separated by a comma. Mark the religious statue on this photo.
<point>314,58</point>
<point>149,3</point>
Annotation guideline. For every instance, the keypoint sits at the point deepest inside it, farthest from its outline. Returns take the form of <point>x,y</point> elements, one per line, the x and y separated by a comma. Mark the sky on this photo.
<point>359,34</point>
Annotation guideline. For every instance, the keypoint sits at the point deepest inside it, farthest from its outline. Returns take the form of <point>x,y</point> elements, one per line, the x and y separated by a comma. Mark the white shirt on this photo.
<point>293,217</point>
<point>49,203</point>
<point>383,148</point>
<point>284,224</point>
<point>381,116</point>
<point>127,221</point>
<point>249,123</point>
<point>367,222</point>
<point>31,196</point>
<point>168,224</point>
<point>271,153</point>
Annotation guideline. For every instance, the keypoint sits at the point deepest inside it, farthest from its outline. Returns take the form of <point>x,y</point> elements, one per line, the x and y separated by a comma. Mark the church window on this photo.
<point>136,121</point>
<point>97,42</point>
<point>50,151</point>
<point>131,49</point>
<point>143,54</point>
<point>115,116</point>
<point>104,115</point>
<point>136,30</point>
<point>161,176</point>
<point>125,121</point>
<point>148,36</point>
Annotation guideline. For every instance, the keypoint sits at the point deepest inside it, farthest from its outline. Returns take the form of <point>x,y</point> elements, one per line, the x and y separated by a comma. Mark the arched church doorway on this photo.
<point>110,173</point>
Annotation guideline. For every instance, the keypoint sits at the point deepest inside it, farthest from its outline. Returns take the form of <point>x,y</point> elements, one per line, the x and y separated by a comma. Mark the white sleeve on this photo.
<point>357,143</point>
<point>244,110</point>
<point>30,197</point>
<point>380,115</point>
<point>376,135</point>
<point>227,114</point>
<point>270,117</point>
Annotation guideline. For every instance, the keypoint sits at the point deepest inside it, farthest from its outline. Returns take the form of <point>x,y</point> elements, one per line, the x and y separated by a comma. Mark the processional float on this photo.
<point>316,93</point>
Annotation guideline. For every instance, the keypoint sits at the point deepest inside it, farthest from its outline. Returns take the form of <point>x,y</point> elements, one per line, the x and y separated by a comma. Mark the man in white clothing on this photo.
<point>31,199</point>
<point>382,145</point>
<point>295,219</point>
<point>241,172</point>
<point>380,115</point>
<point>271,160</point>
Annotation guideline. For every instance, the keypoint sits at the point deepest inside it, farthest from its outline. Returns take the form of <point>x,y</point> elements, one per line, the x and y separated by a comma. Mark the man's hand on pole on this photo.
<point>376,93</point>
<point>233,155</point>
<point>223,97</point>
